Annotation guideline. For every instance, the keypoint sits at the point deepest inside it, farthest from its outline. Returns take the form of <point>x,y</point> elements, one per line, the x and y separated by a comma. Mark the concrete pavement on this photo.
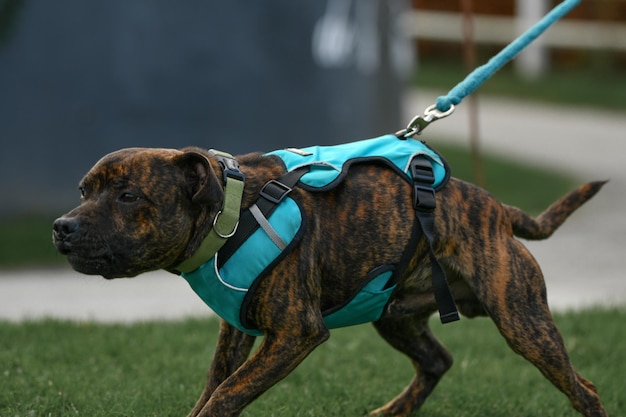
<point>66,294</point>
<point>583,262</point>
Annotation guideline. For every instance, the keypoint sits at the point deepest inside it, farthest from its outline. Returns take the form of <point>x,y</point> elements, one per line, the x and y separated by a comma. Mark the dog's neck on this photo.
<point>226,220</point>
<point>255,170</point>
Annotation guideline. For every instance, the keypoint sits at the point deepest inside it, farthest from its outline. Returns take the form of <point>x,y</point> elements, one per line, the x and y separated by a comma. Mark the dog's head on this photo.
<point>140,210</point>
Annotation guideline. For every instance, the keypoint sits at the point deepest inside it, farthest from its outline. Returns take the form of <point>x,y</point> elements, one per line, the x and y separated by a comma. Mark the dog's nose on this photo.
<point>64,227</point>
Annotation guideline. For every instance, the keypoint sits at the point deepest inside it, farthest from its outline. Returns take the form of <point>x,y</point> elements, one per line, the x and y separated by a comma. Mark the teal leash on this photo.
<point>445,104</point>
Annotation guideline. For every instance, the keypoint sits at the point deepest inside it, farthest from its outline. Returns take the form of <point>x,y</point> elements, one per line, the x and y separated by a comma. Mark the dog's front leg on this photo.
<point>233,348</point>
<point>277,356</point>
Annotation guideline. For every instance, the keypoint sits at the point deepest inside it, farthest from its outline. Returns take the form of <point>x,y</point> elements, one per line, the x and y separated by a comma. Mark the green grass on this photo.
<point>605,89</point>
<point>52,368</point>
<point>27,241</point>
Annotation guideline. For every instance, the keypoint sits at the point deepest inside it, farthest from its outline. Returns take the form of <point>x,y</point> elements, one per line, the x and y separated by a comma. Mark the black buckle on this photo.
<point>274,191</point>
<point>230,168</point>
<point>423,179</point>
<point>424,198</point>
<point>231,173</point>
<point>422,170</point>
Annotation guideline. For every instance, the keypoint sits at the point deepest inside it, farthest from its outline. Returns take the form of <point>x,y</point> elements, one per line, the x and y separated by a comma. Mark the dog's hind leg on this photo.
<point>516,300</point>
<point>412,336</point>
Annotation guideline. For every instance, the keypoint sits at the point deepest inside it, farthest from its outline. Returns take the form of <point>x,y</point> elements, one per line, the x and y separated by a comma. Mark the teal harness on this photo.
<point>329,164</point>
<point>274,225</point>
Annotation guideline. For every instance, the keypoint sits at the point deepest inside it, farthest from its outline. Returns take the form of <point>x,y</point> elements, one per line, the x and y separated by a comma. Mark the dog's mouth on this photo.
<point>107,267</point>
<point>99,261</point>
<point>91,265</point>
<point>88,259</point>
<point>87,253</point>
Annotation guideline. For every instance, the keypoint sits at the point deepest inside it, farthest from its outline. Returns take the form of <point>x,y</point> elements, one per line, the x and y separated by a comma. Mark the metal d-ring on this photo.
<point>223,236</point>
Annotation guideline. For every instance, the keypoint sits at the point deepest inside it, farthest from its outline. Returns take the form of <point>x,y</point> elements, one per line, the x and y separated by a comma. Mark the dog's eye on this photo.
<point>82,192</point>
<point>129,198</point>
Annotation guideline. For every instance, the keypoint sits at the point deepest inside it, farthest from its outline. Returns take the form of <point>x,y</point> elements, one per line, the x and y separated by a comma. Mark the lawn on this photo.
<point>53,368</point>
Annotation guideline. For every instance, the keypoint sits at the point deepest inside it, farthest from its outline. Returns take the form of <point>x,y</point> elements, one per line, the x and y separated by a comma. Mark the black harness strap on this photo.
<point>272,193</point>
<point>424,203</point>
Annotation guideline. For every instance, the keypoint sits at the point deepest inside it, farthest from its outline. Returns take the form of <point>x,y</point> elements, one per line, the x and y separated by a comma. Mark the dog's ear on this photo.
<point>202,183</point>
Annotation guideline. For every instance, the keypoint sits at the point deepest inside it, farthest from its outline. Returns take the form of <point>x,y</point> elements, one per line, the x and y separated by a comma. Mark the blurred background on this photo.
<point>79,79</point>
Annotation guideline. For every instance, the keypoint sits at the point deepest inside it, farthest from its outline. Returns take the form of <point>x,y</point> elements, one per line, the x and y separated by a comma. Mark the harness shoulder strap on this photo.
<point>424,203</point>
<point>272,193</point>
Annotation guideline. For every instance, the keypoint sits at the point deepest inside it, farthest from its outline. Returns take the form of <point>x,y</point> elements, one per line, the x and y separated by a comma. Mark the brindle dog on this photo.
<point>148,209</point>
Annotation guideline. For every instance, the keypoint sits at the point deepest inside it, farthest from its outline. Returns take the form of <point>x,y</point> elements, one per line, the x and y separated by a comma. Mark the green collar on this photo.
<point>226,220</point>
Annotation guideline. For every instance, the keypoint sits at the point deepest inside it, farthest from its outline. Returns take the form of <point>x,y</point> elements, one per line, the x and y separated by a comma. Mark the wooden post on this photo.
<point>469,56</point>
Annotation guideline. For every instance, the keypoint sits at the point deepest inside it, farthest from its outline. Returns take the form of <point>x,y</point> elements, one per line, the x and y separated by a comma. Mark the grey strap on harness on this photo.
<point>267,227</point>
<point>424,203</point>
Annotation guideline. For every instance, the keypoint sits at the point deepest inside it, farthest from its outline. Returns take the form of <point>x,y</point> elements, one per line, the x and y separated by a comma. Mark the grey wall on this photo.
<point>79,79</point>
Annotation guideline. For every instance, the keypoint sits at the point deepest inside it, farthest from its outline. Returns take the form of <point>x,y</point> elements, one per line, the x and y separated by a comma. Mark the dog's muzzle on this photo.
<point>64,232</point>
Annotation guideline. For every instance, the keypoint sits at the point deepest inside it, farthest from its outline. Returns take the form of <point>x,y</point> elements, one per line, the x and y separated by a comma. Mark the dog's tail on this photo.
<point>546,223</point>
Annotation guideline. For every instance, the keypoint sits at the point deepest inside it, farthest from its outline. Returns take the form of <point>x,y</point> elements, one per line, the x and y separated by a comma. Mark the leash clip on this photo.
<point>419,123</point>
